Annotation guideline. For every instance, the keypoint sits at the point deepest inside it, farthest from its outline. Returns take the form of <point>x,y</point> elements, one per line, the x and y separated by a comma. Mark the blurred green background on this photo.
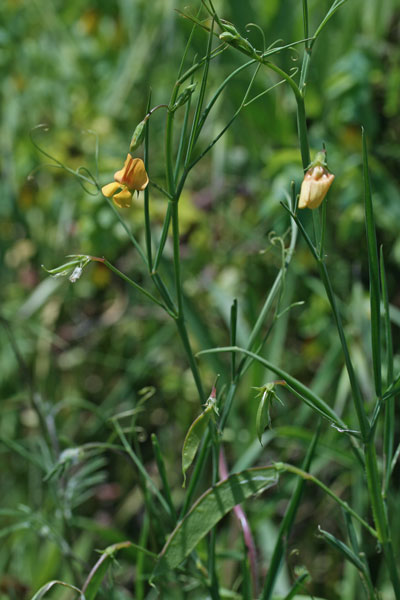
<point>85,351</point>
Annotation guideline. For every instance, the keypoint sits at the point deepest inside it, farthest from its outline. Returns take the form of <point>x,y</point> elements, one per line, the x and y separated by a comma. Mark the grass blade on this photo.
<point>163,474</point>
<point>389,422</point>
<point>373,265</point>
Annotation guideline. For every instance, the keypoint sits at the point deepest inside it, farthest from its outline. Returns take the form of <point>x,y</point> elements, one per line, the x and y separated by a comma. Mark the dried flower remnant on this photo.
<point>132,177</point>
<point>316,183</point>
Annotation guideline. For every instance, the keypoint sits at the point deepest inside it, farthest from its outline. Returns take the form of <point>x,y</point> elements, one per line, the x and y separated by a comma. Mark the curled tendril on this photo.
<point>90,179</point>
<point>278,41</point>
<point>296,55</point>
<point>293,71</point>
<point>255,26</point>
<point>96,149</point>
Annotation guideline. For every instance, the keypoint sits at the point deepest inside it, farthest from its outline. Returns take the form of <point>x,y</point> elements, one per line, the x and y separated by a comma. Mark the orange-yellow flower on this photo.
<point>316,183</point>
<point>132,177</point>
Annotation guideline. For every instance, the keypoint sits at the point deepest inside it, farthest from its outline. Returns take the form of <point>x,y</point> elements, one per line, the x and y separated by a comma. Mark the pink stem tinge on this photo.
<point>244,524</point>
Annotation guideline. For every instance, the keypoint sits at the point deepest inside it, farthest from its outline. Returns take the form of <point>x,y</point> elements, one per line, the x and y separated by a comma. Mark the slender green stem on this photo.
<point>163,474</point>
<point>180,320</point>
<point>194,130</point>
<point>323,230</point>
<point>214,584</point>
<point>355,387</point>
<point>302,131</point>
<point>305,20</point>
<point>146,206</point>
<point>274,291</point>
<point>287,524</point>
<point>135,285</point>
<point>141,558</point>
<point>164,293</point>
<point>389,422</point>
<point>177,262</point>
<point>128,231</point>
<point>284,76</point>
<point>380,515</point>
<point>140,467</point>
<point>168,144</point>
<point>374,275</point>
<point>180,323</point>
<point>182,139</point>
<point>163,238</point>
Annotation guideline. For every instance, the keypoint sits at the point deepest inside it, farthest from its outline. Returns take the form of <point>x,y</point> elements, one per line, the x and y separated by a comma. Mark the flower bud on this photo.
<point>316,183</point>
<point>184,97</point>
<point>137,137</point>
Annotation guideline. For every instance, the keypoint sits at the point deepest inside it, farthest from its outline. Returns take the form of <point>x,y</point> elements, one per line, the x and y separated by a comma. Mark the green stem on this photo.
<point>302,131</point>
<point>147,194</point>
<point>177,267</point>
<point>129,233</point>
<point>380,515</point>
<point>168,143</point>
<point>135,285</point>
<point>164,293</point>
<point>305,20</point>
<point>163,238</point>
<point>287,524</point>
<point>356,392</point>
<point>180,323</point>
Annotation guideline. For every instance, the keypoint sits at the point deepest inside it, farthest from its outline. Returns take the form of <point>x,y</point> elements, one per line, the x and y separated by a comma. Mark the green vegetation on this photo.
<point>202,387</point>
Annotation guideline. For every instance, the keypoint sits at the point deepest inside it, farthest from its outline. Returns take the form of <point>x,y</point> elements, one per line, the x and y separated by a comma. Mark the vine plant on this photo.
<point>183,527</point>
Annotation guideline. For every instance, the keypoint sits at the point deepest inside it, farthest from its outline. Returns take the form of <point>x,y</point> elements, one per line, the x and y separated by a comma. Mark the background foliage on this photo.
<point>87,351</point>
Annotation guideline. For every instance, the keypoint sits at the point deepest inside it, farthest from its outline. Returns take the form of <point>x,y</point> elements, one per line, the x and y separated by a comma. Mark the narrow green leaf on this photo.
<point>365,575</point>
<point>193,438</point>
<point>343,549</point>
<point>44,589</point>
<point>140,466</point>
<point>233,328</point>
<point>163,474</point>
<point>303,391</point>
<point>209,509</point>
<point>195,130</point>
<point>298,584</point>
<point>373,265</point>
<point>96,576</point>
<point>327,17</point>
<point>282,467</point>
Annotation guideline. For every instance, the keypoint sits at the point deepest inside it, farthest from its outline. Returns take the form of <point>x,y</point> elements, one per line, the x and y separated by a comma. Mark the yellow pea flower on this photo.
<point>132,177</point>
<point>316,183</point>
